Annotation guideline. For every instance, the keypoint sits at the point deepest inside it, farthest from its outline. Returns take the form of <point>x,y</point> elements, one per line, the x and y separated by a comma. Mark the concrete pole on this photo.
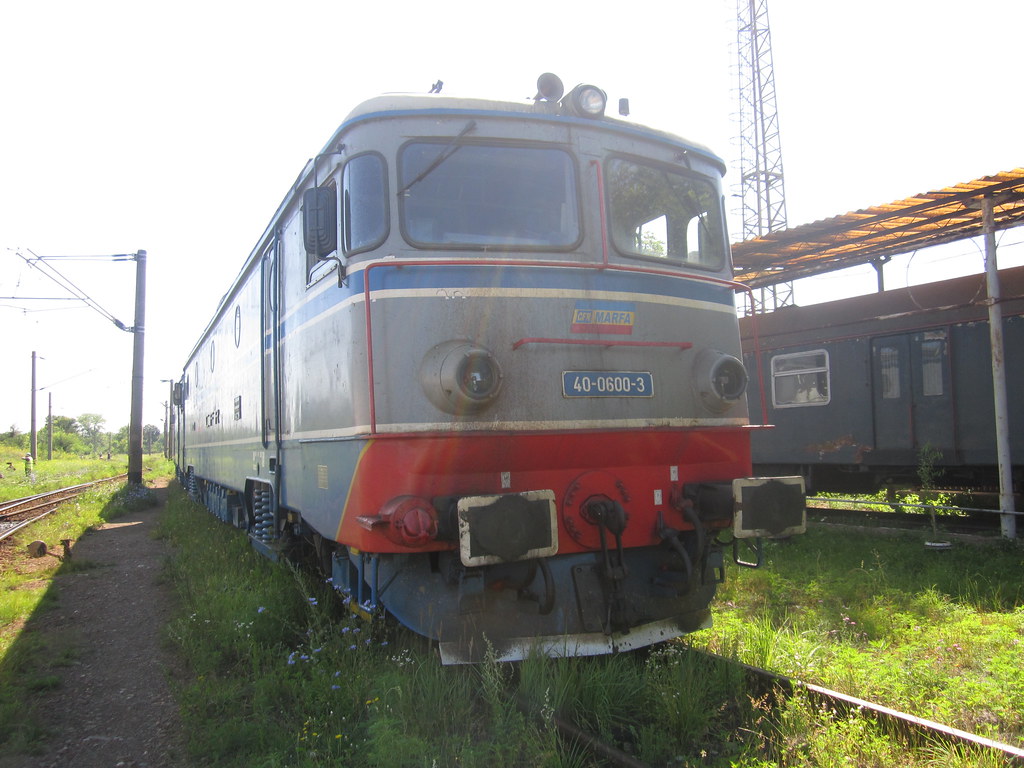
<point>49,428</point>
<point>995,325</point>
<point>135,424</point>
<point>32,444</point>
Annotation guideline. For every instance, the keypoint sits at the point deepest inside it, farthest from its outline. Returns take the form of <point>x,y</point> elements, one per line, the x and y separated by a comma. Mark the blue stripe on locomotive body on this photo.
<point>628,285</point>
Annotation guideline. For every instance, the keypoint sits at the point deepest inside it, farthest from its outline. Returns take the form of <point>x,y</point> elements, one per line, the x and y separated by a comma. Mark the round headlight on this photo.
<point>720,380</point>
<point>460,377</point>
<point>478,375</point>
<point>587,100</point>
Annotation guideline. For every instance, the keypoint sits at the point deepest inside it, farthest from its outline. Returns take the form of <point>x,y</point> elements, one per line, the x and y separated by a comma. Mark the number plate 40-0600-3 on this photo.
<point>607,384</point>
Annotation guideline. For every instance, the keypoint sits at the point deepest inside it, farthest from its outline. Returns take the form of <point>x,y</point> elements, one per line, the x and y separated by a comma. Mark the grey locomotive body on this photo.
<point>485,362</point>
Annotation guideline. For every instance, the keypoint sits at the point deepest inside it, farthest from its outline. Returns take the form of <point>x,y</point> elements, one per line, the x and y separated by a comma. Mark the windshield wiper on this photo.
<point>450,149</point>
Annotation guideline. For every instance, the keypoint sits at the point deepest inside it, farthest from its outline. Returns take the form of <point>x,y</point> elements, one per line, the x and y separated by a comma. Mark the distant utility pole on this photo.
<point>135,423</point>
<point>762,186</point>
<point>32,443</point>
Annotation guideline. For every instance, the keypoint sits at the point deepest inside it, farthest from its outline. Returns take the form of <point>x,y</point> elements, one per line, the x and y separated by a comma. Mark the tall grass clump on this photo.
<point>281,674</point>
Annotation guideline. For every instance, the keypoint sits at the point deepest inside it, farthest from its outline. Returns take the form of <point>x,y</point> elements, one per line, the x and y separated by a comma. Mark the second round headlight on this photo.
<point>460,376</point>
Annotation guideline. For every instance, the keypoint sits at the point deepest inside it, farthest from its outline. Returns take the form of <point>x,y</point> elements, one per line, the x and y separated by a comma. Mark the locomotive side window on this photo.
<point>660,214</point>
<point>800,379</point>
<point>364,203</point>
<point>486,196</point>
<point>319,224</point>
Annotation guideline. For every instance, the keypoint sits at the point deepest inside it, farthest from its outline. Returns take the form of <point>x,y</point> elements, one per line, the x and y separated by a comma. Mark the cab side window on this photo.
<point>364,201</point>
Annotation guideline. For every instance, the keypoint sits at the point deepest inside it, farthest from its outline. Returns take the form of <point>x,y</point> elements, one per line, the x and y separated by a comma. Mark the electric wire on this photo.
<point>39,262</point>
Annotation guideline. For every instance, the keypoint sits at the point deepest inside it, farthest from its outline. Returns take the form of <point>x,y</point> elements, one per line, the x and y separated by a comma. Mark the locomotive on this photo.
<point>484,363</point>
<point>857,388</point>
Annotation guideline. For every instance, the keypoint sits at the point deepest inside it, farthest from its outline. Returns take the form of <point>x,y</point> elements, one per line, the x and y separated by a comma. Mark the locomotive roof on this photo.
<point>930,218</point>
<point>413,104</point>
<point>398,105</point>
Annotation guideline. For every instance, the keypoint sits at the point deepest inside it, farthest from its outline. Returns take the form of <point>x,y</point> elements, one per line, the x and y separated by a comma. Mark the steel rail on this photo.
<point>52,499</point>
<point>25,523</point>
<point>890,504</point>
<point>916,729</point>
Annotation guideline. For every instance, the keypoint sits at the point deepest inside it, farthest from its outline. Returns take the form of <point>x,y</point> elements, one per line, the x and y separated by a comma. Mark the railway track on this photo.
<point>19,513</point>
<point>951,520</point>
<point>914,730</point>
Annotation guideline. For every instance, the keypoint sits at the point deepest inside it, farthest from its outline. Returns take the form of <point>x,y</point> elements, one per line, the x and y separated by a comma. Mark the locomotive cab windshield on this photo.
<point>488,195</point>
<point>667,215</point>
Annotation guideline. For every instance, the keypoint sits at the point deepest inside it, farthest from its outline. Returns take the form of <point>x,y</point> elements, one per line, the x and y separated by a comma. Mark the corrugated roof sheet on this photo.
<point>932,218</point>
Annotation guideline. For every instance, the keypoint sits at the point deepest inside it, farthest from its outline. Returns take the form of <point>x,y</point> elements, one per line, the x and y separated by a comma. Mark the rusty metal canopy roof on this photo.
<point>875,233</point>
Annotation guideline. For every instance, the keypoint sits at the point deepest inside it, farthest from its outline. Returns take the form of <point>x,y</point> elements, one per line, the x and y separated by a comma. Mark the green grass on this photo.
<point>59,473</point>
<point>937,634</point>
<point>280,674</point>
<point>284,676</point>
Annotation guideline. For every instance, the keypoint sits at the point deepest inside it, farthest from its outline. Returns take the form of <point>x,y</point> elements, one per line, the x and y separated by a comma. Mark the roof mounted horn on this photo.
<point>549,88</point>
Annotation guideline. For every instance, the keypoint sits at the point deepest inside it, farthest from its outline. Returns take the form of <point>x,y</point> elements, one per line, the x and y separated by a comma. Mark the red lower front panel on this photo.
<point>644,471</point>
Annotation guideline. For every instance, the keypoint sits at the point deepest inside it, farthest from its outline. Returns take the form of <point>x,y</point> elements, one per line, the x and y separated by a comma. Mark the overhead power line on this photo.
<point>40,263</point>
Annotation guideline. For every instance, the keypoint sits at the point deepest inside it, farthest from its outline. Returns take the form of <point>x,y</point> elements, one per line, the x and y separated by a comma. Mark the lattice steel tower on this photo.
<point>762,188</point>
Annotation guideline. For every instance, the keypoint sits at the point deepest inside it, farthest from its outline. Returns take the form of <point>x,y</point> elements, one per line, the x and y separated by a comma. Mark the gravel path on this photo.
<point>113,707</point>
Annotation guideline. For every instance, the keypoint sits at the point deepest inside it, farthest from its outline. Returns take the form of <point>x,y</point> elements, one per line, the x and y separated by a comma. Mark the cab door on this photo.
<point>270,303</point>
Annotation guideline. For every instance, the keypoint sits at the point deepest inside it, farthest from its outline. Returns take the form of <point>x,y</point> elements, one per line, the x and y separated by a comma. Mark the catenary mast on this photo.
<point>762,188</point>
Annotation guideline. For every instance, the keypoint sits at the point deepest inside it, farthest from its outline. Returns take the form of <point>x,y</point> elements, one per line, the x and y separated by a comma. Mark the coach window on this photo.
<point>800,379</point>
<point>665,216</point>
<point>477,196</point>
<point>933,355</point>
<point>364,203</point>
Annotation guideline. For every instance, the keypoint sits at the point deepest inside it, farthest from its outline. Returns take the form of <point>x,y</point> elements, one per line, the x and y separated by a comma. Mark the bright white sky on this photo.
<point>178,127</point>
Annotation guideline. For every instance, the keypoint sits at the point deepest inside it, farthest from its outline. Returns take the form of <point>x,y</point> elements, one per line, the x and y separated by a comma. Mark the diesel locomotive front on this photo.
<point>485,362</point>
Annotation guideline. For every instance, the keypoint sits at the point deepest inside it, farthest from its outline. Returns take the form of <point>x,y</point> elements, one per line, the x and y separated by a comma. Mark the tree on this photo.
<point>14,438</point>
<point>119,441</point>
<point>152,434</point>
<point>91,425</point>
<point>66,424</point>
<point>66,435</point>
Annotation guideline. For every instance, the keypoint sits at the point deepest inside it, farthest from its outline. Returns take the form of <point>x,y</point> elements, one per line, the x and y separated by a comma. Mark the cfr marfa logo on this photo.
<point>603,317</point>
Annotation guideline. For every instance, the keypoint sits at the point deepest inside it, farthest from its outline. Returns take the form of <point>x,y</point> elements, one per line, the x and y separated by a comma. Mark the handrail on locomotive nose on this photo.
<point>394,263</point>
